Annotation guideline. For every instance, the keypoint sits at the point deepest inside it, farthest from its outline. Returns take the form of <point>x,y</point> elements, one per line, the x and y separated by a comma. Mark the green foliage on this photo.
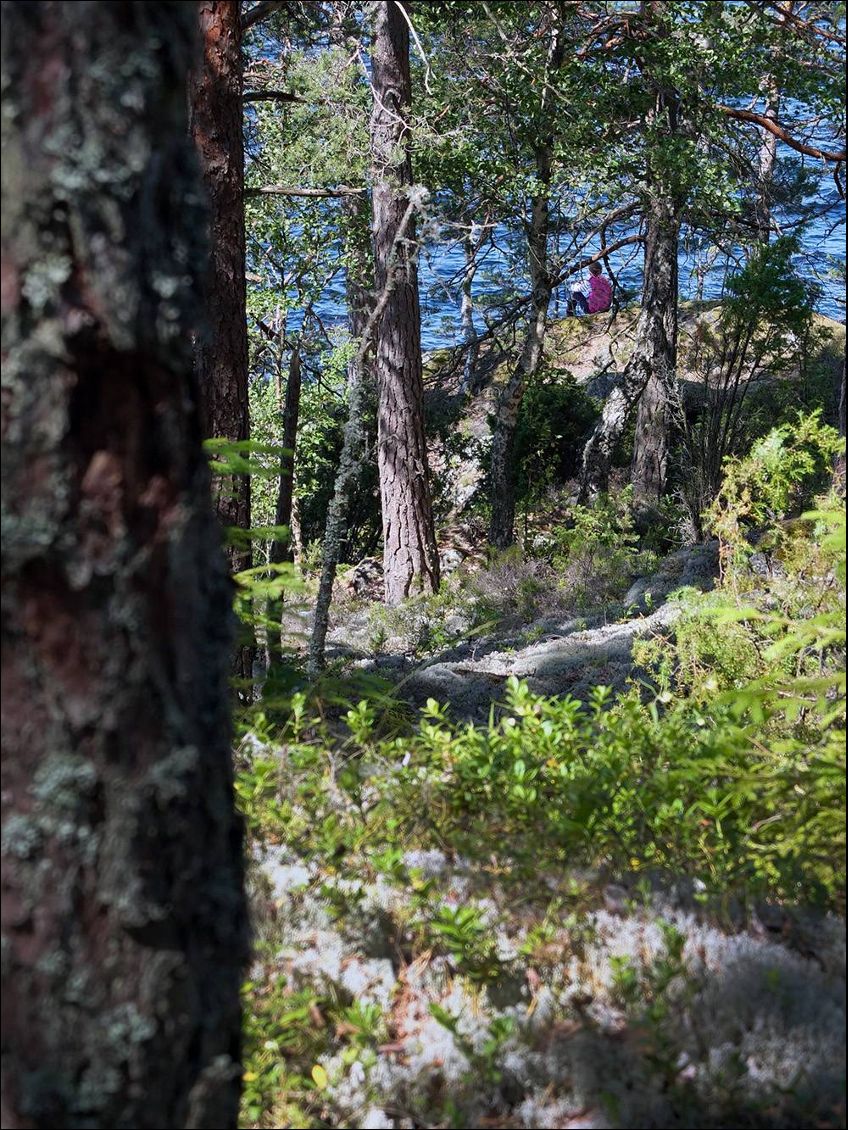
<point>555,417</point>
<point>770,290</point>
<point>770,650</point>
<point>287,1030</point>
<point>732,774</point>
<point>781,473</point>
<point>620,785</point>
<point>762,330</point>
<point>280,1028</point>
<point>467,937</point>
<point>597,551</point>
<point>430,622</point>
<point>243,457</point>
<point>729,768</point>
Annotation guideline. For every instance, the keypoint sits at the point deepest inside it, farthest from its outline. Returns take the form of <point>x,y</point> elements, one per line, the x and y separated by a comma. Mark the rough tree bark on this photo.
<point>221,350</point>
<point>410,560</point>
<point>656,341</point>
<point>767,159</point>
<point>124,926</point>
<point>654,352</point>
<point>649,465</point>
<point>216,126</point>
<point>651,442</point>
<point>502,471</point>
<point>766,163</point>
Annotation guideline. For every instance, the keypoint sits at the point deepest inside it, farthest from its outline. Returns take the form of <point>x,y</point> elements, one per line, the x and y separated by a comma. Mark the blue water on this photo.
<point>441,268</point>
<point>500,277</point>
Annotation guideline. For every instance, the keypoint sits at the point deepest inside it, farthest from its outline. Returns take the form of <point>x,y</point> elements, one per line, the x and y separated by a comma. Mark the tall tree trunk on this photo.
<point>471,246</point>
<point>651,442</point>
<point>654,354</point>
<point>767,159</point>
<point>466,315</point>
<point>410,560</point>
<point>649,465</point>
<point>766,163</point>
<point>361,387</point>
<point>502,471</point>
<point>221,351</point>
<point>357,442</point>
<point>282,550</point>
<point>124,927</point>
<point>658,344</point>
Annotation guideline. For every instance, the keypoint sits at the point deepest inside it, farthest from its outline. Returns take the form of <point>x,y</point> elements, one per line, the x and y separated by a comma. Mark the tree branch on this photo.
<point>805,25</point>
<point>272,96</point>
<point>321,193</point>
<point>781,133</point>
<point>516,308</point>
<point>259,12</point>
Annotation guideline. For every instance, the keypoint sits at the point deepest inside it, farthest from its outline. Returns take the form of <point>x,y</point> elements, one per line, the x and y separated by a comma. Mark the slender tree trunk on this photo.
<point>766,163</point>
<point>357,443</point>
<point>471,246</point>
<point>361,386</point>
<point>354,454</point>
<point>653,418</point>
<point>124,928</point>
<point>282,550</point>
<point>768,143</point>
<point>658,344</point>
<point>502,470</point>
<point>410,560</point>
<point>297,547</point>
<point>221,351</point>
<point>654,354</point>
<point>466,315</point>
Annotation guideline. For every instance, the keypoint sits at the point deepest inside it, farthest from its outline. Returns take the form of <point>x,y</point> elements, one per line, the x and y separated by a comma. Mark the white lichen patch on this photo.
<point>641,1016</point>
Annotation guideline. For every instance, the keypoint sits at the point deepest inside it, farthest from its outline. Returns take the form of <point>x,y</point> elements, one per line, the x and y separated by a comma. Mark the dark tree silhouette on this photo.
<point>123,914</point>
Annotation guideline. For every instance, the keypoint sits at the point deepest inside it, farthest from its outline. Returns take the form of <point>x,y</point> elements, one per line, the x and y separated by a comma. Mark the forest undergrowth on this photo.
<point>625,911</point>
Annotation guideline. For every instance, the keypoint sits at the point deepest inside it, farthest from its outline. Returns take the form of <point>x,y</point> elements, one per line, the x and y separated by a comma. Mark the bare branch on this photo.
<point>320,193</point>
<point>259,12</point>
<point>272,96</point>
<point>781,133</point>
<point>418,44</point>
<point>516,308</point>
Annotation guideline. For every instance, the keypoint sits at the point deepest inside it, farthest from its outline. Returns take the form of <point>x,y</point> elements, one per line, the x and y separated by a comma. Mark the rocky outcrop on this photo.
<point>594,350</point>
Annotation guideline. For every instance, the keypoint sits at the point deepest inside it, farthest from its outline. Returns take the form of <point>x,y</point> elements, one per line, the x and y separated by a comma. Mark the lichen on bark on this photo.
<point>123,915</point>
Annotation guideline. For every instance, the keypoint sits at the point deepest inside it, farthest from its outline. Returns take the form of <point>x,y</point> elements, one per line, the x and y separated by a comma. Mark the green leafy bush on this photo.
<point>556,416</point>
<point>781,474</point>
<point>598,552</point>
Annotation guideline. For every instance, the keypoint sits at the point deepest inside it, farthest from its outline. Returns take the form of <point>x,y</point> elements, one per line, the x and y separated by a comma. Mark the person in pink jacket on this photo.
<point>599,297</point>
